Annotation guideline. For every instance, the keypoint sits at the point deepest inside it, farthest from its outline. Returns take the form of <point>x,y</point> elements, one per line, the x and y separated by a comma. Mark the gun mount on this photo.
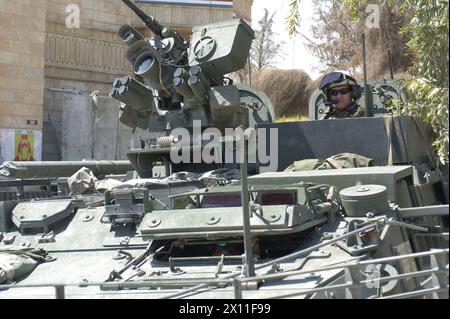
<point>176,82</point>
<point>150,22</point>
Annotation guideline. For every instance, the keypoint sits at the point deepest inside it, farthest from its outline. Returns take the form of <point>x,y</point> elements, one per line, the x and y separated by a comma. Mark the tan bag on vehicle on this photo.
<point>343,160</point>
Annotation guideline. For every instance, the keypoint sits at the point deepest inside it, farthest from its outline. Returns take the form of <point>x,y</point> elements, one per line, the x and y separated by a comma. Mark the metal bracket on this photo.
<point>120,254</point>
<point>25,244</point>
<point>46,238</point>
<point>28,215</point>
<point>8,240</point>
<point>173,269</point>
<point>439,262</point>
<point>255,208</point>
<point>125,241</point>
<point>219,266</point>
<point>354,245</point>
<point>275,269</point>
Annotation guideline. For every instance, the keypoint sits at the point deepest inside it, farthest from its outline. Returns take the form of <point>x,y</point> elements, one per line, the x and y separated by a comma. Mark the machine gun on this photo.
<point>150,22</point>
<point>176,82</point>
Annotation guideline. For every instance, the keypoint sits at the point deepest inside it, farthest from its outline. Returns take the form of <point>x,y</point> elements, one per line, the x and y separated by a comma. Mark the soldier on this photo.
<point>342,93</point>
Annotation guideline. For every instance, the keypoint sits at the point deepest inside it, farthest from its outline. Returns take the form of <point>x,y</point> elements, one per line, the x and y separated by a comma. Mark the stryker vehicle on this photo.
<point>208,230</point>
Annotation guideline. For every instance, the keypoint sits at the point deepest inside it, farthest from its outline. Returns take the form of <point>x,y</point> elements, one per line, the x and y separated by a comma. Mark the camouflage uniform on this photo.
<point>355,111</point>
<point>340,79</point>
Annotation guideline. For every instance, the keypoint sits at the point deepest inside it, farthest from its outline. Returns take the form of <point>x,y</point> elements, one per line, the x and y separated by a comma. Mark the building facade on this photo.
<point>55,53</point>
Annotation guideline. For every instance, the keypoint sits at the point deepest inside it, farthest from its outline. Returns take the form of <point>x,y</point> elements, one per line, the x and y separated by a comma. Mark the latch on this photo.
<point>8,240</point>
<point>46,238</point>
<point>125,241</point>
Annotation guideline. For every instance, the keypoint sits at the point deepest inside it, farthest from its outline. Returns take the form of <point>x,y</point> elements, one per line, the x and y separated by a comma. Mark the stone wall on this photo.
<point>48,71</point>
<point>77,62</point>
<point>22,38</point>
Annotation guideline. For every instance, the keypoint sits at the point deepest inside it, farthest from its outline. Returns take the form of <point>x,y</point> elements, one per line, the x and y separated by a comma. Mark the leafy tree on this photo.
<point>428,81</point>
<point>417,30</point>
<point>265,49</point>
<point>337,39</point>
<point>429,86</point>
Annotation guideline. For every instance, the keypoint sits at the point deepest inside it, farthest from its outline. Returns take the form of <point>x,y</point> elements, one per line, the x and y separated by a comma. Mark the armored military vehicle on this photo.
<point>211,227</point>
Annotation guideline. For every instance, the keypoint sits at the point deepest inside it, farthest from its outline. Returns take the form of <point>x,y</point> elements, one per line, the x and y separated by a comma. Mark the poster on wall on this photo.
<point>20,145</point>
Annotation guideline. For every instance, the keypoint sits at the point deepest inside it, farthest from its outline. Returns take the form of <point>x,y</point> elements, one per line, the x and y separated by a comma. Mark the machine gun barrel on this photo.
<point>149,21</point>
<point>62,169</point>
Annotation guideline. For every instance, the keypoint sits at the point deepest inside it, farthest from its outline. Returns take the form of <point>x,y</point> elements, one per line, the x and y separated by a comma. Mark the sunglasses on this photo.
<point>341,91</point>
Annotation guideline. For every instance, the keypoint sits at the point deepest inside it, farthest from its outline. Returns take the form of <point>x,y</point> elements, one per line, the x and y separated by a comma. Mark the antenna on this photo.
<point>149,21</point>
<point>390,64</point>
<point>367,98</point>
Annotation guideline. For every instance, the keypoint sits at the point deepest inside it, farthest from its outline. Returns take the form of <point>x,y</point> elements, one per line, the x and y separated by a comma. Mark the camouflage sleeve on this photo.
<point>326,116</point>
<point>360,112</point>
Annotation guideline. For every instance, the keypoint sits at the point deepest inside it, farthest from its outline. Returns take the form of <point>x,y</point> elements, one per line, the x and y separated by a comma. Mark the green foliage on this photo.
<point>265,49</point>
<point>429,102</point>
<point>428,87</point>
<point>288,119</point>
<point>293,19</point>
<point>337,35</point>
<point>336,39</point>
<point>428,81</point>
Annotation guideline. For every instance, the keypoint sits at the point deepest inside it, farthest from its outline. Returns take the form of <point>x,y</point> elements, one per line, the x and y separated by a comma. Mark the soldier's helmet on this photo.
<point>337,79</point>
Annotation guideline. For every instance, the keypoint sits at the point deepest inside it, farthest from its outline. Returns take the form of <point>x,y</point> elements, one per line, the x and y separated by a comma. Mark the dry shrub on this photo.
<point>287,89</point>
<point>338,38</point>
<point>313,85</point>
<point>387,38</point>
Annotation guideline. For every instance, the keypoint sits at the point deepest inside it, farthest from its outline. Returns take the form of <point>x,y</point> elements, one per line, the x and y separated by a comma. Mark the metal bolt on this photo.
<point>312,275</point>
<point>370,215</point>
